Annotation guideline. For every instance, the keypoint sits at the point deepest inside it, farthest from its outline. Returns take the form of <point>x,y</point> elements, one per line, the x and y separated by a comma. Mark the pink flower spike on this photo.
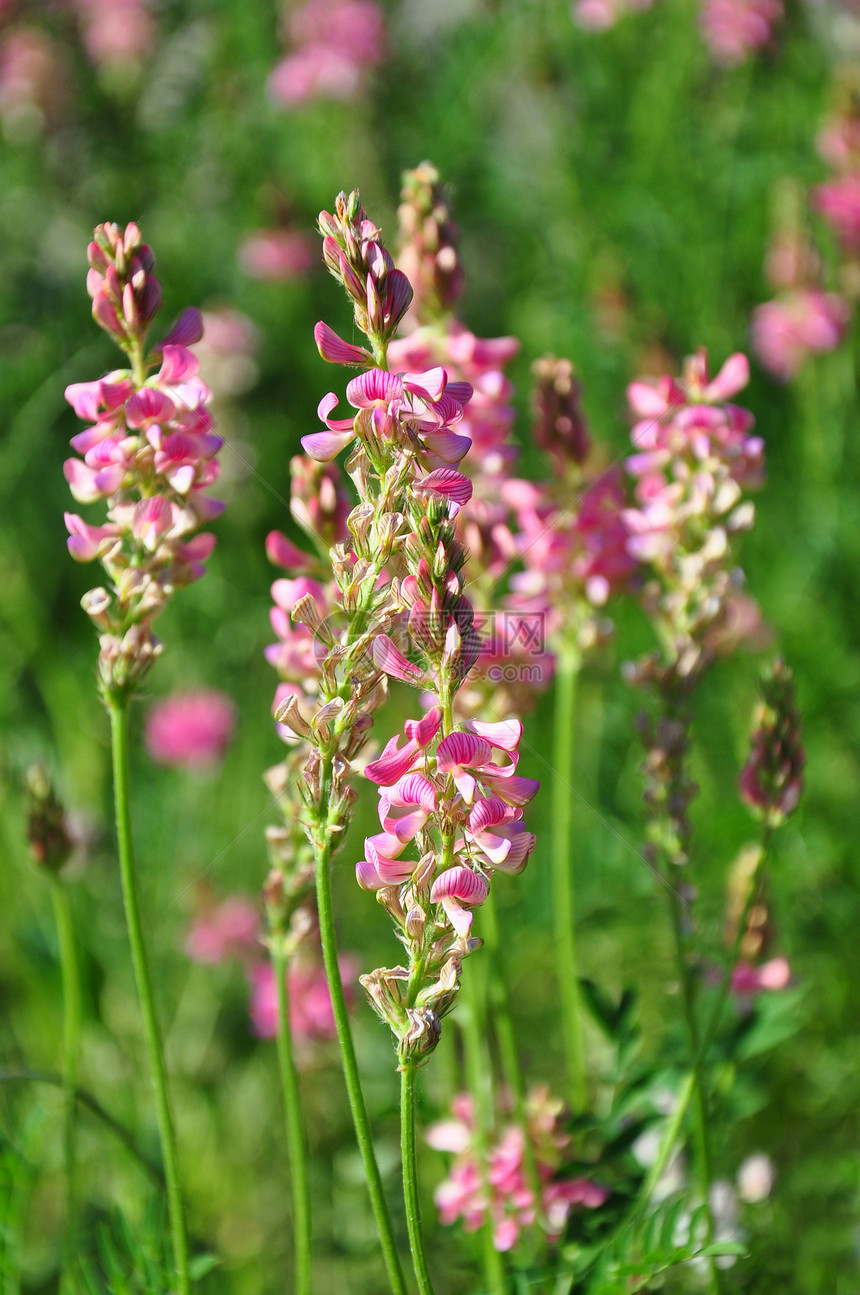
<point>732,378</point>
<point>336,351</point>
<point>387,657</point>
<point>445,481</point>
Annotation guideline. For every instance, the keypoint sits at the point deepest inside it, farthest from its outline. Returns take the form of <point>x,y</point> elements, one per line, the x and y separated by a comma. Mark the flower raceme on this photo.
<point>149,451</point>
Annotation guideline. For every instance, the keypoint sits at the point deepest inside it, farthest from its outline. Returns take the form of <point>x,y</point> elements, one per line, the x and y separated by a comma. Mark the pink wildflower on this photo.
<point>193,728</point>
<point>276,255</point>
<point>335,43</point>
<point>230,930</point>
<point>496,1189</point>
<point>838,200</point>
<point>600,15</point>
<point>116,33</point>
<point>311,1014</point>
<point>735,29</point>
<point>749,980</point>
<point>795,325</point>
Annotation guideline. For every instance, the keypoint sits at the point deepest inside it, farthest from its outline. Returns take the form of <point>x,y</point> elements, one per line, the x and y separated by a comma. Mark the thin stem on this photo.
<point>118,711</point>
<point>564,917</point>
<point>410,1177</point>
<point>361,1123</point>
<point>504,1029</point>
<point>296,1150</point>
<point>71,1045</point>
<point>478,1072</point>
<point>703,1159</point>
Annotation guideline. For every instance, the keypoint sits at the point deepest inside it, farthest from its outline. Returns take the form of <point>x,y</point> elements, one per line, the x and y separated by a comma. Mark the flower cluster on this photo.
<point>750,931</point>
<point>149,451</point>
<point>493,1187</point>
<point>735,29</point>
<point>334,44</point>
<point>838,199</point>
<point>695,455</point>
<point>402,569</point>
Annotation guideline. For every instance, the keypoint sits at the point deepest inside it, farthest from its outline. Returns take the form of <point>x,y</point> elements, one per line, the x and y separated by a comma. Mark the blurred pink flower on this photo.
<point>33,87</point>
<point>311,1014</point>
<point>748,980</point>
<point>334,44</point>
<point>498,1190</point>
<point>734,29</point>
<point>192,728</point>
<point>230,930</point>
<point>838,201</point>
<point>116,32</point>
<point>599,15</point>
<point>276,255</point>
<point>793,326</point>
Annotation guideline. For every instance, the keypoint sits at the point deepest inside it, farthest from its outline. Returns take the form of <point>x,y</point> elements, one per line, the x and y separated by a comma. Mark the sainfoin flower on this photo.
<point>148,451</point>
<point>494,1188</point>
<point>735,29</point>
<point>334,44</point>
<point>231,929</point>
<point>190,728</point>
<point>311,1014</point>
<point>794,325</point>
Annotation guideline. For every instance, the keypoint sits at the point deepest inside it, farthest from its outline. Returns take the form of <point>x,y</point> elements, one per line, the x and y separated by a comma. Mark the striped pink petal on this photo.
<point>447,445</point>
<point>324,408</point>
<point>372,386</point>
<point>514,789</point>
<point>459,883</point>
<point>389,767</point>
<point>187,330</point>
<point>424,730</point>
<point>445,481</point>
<point>504,734</point>
<point>428,385</point>
<point>336,351</point>
<point>178,363</point>
<point>149,405</point>
<point>386,656</point>
<point>462,750</point>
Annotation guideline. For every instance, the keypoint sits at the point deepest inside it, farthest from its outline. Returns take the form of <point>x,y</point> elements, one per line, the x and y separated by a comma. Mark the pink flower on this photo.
<point>311,1014</point>
<point>116,32</point>
<point>335,44</point>
<point>496,1189</point>
<point>276,255</point>
<point>839,203</point>
<point>600,15</point>
<point>795,325</point>
<point>229,931</point>
<point>192,729</point>
<point>734,29</point>
<point>749,980</point>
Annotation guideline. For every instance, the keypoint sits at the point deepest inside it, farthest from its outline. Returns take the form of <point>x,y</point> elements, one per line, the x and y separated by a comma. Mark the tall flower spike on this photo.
<point>149,452</point>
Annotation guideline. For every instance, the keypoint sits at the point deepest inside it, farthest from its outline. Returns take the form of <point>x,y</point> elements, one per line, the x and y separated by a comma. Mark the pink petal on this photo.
<point>459,883</point>
<point>324,408</point>
<point>178,364</point>
<point>283,553</point>
<point>187,330</point>
<point>336,350</point>
<point>462,749</point>
<point>386,656</point>
<point>445,481</point>
<point>324,446</point>
<point>85,398</point>
<point>732,377</point>
<point>149,405</point>
<point>372,386</point>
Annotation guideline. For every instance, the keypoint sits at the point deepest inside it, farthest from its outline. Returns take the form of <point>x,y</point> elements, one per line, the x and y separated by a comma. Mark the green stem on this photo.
<point>478,1072</point>
<point>564,917</point>
<point>118,711</point>
<point>505,1034</point>
<point>410,1177</point>
<point>296,1151</point>
<point>361,1123</point>
<point>71,1045</point>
